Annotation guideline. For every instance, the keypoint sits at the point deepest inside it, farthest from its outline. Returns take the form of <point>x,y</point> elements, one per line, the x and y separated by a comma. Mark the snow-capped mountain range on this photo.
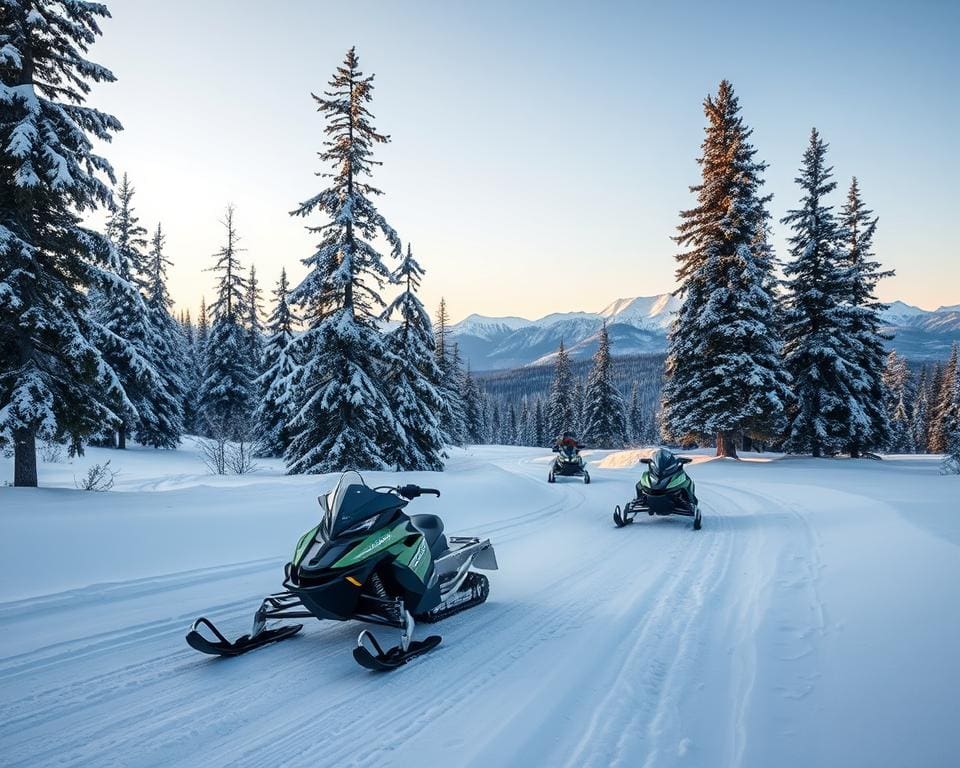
<point>639,324</point>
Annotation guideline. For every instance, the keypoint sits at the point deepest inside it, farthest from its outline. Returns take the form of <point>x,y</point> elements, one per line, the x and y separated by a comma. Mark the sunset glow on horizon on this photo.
<point>540,156</point>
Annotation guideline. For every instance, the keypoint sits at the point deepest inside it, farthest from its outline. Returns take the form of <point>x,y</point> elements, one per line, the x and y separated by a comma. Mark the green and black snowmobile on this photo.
<point>368,560</point>
<point>664,489</point>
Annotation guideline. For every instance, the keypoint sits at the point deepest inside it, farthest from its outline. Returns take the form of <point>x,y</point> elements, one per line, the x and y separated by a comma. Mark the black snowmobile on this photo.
<point>664,489</point>
<point>368,560</point>
<point>569,462</point>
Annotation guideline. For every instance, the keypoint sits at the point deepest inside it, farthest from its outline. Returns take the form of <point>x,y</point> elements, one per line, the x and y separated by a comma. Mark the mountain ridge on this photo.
<point>639,324</point>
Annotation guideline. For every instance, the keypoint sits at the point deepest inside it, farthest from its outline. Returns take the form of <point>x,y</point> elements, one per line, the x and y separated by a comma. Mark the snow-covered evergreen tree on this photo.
<point>275,386</point>
<point>342,409</point>
<point>724,372</point>
<point>898,395</point>
<point>951,462</point>
<point>817,342</point>
<point>496,424</point>
<point>941,408</point>
<point>539,425</point>
<point>191,374</point>
<point>525,434</point>
<point>857,228</point>
<point>413,377</point>
<point>604,417</point>
<point>473,409</point>
<point>560,413</point>
<point>254,306</point>
<point>635,418</point>
<point>453,417</point>
<point>227,390</point>
<point>167,353</point>
<point>147,408</point>
<point>920,414</point>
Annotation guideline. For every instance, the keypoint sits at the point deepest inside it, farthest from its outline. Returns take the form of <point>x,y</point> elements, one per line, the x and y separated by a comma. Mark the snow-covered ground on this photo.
<point>814,621</point>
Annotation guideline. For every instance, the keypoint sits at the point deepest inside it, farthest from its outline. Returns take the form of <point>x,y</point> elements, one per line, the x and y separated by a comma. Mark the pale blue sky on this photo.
<point>541,151</point>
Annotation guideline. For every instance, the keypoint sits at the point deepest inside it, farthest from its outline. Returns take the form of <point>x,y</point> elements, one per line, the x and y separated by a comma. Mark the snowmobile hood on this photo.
<point>353,502</point>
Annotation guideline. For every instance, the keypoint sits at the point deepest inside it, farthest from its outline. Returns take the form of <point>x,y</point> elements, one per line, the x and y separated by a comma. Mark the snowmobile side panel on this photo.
<point>374,543</point>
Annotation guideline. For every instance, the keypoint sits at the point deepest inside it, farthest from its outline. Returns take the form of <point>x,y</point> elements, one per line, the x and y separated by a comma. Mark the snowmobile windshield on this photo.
<point>353,502</point>
<point>663,464</point>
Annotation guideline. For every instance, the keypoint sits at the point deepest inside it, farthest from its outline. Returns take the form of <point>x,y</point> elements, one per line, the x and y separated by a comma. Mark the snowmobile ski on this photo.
<point>386,661</point>
<point>223,647</point>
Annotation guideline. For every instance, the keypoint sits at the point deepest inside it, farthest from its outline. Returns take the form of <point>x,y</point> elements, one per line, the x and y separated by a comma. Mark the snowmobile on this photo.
<point>569,462</point>
<point>664,489</point>
<point>368,560</point>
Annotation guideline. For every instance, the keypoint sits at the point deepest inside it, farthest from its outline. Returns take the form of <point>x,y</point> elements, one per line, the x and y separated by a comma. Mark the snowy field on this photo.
<point>814,621</point>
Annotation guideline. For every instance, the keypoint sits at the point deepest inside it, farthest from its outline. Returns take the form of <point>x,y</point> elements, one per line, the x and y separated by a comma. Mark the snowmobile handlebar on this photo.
<point>413,491</point>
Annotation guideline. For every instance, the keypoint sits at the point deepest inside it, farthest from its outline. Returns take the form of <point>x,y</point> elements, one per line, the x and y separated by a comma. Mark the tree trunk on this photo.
<point>122,436</point>
<point>727,444</point>
<point>748,443</point>
<point>24,458</point>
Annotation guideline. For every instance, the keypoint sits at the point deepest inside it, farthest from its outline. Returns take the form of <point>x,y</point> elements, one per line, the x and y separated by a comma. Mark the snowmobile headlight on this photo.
<point>362,526</point>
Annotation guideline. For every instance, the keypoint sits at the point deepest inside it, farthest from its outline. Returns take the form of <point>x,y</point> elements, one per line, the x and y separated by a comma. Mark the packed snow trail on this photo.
<point>811,622</point>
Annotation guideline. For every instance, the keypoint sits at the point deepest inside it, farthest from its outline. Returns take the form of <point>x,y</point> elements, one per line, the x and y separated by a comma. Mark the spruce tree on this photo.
<point>191,374</point>
<point>168,354</point>
<point>578,405</point>
<point>857,228</point>
<point>342,409</point>
<point>635,418</point>
<point>453,416</point>
<point>133,346</point>
<point>226,392</point>
<point>413,377</point>
<point>525,424</point>
<point>919,414</point>
<point>275,385</point>
<point>724,377</point>
<point>951,461</point>
<point>254,306</point>
<point>560,414</point>
<point>473,408</point>
<point>898,396</point>
<point>604,414</point>
<point>817,343</point>
<point>539,425</point>
<point>941,410</point>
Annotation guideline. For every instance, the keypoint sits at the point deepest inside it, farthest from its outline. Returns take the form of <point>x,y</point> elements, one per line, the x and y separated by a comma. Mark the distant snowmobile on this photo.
<point>568,462</point>
<point>368,560</point>
<point>664,489</point>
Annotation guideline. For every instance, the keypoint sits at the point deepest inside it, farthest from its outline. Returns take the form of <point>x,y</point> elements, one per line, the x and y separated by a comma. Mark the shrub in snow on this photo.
<point>99,477</point>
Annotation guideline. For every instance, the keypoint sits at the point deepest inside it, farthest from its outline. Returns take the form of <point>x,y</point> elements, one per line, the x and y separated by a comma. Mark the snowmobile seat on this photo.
<point>431,527</point>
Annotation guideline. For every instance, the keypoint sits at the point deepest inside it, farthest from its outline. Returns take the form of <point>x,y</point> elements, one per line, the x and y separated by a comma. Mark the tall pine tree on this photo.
<point>453,417</point>
<point>560,407</point>
<point>342,409</point>
<point>724,373</point>
<point>867,353</point>
<point>254,305</point>
<point>134,347</point>
<point>226,392</point>
<point>275,406</point>
<point>941,410</point>
<point>817,342</point>
<point>412,378</point>
<point>898,395</point>
<point>168,353</point>
<point>605,421</point>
